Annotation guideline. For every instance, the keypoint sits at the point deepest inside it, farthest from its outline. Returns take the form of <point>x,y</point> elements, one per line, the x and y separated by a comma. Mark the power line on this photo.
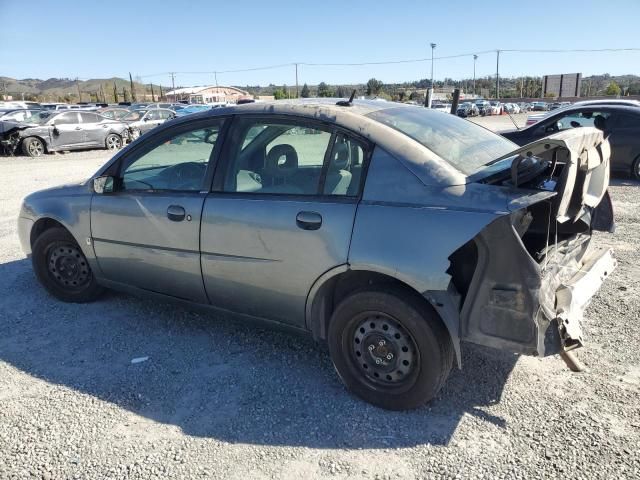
<point>394,62</point>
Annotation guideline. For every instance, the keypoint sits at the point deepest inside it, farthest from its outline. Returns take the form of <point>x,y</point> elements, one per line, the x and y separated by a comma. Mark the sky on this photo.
<point>96,39</point>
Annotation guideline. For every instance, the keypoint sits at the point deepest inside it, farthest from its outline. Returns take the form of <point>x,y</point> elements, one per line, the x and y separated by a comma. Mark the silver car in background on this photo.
<point>392,232</point>
<point>49,131</point>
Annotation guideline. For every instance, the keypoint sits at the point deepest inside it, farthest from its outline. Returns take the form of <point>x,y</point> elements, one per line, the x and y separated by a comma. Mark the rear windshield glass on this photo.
<point>465,145</point>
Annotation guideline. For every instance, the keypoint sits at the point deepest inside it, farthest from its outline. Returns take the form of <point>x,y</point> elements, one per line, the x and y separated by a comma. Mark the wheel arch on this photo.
<point>43,224</point>
<point>339,282</point>
<point>42,139</point>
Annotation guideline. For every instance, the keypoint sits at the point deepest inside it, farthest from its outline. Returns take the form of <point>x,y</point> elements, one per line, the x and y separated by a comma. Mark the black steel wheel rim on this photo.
<point>382,351</point>
<point>68,267</point>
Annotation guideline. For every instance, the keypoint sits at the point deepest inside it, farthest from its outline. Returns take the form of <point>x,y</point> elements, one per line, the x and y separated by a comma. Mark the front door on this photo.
<point>281,215</point>
<point>146,233</point>
<point>66,131</point>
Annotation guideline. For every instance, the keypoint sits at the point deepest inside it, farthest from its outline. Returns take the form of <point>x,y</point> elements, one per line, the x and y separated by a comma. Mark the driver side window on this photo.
<point>179,163</point>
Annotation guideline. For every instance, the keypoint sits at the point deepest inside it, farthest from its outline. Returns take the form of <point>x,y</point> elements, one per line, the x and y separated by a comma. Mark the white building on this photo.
<point>211,94</point>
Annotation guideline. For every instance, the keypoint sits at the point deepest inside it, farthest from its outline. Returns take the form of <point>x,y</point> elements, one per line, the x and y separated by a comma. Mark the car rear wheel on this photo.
<point>62,268</point>
<point>113,142</point>
<point>33,147</point>
<point>389,348</point>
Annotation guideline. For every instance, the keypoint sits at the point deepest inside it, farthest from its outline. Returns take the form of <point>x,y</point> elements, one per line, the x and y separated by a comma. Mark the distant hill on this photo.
<point>66,89</point>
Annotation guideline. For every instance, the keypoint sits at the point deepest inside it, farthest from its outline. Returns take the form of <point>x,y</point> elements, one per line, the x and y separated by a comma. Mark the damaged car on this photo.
<point>394,233</point>
<point>51,131</point>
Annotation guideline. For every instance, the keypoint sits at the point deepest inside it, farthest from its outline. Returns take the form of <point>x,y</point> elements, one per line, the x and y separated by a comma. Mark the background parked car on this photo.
<point>52,131</point>
<point>484,107</point>
<point>192,109</point>
<point>540,106</point>
<point>141,121</point>
<point>115,113</point>
<point>620,123</point>
<point>18,115</point>
<point>467,109</point>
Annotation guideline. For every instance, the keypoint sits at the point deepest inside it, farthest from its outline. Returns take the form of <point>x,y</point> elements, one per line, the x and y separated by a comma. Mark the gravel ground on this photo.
<point>218,399</point>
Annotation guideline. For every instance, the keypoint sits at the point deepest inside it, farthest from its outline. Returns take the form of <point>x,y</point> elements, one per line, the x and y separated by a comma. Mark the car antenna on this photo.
<point>514,122</point>
<point>347,103</point>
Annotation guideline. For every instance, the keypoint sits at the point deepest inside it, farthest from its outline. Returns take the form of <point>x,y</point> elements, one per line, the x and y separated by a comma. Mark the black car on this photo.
<point>620,123</point>
<point>467,110</point>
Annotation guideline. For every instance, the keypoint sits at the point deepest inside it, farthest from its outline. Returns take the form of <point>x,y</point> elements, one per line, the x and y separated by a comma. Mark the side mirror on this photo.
<point>103,185</point>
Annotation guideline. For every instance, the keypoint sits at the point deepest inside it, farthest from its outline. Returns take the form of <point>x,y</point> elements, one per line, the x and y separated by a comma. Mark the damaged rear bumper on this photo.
<point>573,296</point>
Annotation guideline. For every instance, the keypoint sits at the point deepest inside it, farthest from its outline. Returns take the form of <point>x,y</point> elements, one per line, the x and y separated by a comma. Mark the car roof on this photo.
<point>424,163</point>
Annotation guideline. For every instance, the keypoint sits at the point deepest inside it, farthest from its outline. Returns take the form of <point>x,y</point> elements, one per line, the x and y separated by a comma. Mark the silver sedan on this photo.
<point>390,231</point>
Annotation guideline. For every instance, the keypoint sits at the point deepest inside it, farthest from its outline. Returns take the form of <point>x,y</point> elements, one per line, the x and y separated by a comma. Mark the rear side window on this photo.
<point>277,158</point>
<point>67,119</point>
<point>89,117</point>
<point>463,144</point>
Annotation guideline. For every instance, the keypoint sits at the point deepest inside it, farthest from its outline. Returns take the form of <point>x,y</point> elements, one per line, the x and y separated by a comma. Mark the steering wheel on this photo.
<point>185,175</point>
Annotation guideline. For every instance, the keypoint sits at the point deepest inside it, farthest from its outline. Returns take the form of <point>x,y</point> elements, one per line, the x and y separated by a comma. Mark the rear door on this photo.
<point>94,129</point>
<point>623,129</point>
<point>281,215</point>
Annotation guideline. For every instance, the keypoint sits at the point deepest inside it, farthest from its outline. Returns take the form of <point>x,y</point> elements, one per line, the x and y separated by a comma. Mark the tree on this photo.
<point>125,94</point>
<point>279,94</point>
<point>305,92</point>
<point>373,86</point>
<point>133,90</point>
<point>342,92</point>
<point>324,90</point>
<point>115,92</point>
<point>613,89</point>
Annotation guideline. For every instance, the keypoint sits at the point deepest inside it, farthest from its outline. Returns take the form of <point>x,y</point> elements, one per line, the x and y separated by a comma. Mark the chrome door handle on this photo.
<point>78,128</point>
<point>175,213</point>
<point>309,220</point>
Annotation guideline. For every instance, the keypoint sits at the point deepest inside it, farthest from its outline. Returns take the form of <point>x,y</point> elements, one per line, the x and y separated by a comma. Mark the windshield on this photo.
<point>40,117</point>
<point>463,144</point>
<point>133,116</point>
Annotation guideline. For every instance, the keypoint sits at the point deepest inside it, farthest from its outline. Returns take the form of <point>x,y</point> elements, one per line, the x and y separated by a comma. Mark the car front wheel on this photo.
<point>113,142</point>
<point>389,348</point>
<point>62,268</point>
<point>33,147</point>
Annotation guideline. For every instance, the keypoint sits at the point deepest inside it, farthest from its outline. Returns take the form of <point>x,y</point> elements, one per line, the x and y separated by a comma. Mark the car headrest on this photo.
<point>282,160</point>
<point>340,160</point>
<point>599,122</point>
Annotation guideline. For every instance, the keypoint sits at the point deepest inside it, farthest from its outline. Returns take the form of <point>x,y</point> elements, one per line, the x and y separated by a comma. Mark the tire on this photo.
<point>635,169</point>
<point>62,268</point>
<point>113,142</point>
<point>33,147</point>
<point>420,348</point>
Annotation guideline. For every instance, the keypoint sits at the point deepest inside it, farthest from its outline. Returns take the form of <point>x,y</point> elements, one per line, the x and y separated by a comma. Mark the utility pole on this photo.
<point>475,57</point>
<point>429,97</point>
<point>297,93</point>
<point>497,74</point>
<point>215,75</point>
<point>173,85</point>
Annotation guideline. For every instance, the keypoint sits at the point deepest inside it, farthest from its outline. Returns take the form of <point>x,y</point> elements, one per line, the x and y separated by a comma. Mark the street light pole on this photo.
<point>475,57</point>
<point>430,92</point>
<point>497,74</point>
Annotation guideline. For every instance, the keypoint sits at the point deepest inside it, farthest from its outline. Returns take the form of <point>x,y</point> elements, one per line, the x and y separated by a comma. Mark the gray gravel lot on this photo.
<point>218,399</point>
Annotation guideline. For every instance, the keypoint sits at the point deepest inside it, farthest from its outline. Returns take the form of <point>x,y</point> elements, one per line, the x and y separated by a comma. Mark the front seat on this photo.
<point>338,178</point>
<point>600,122</point>
<point>280,165</point>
